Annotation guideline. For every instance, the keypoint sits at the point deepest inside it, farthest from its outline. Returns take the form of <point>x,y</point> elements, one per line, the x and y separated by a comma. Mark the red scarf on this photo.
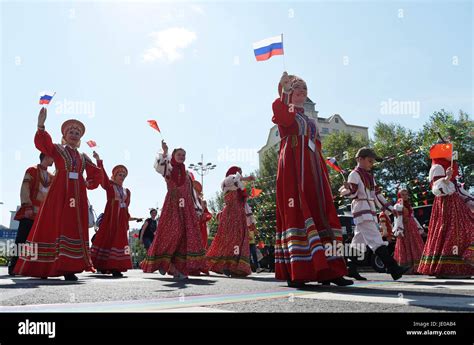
<point>446,164</point>
<point>367,178</point>
<point>178,173</point>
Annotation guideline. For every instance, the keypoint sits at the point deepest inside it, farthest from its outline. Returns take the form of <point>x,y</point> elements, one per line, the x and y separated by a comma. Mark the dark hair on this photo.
<point>178,149</point>
<point>153,210</point>
<point>42,155</point>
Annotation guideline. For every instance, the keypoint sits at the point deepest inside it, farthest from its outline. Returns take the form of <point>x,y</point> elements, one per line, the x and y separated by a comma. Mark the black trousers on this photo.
<point>21,236</point>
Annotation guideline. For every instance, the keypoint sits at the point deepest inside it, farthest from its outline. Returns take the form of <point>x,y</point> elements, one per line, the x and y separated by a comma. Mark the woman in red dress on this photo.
<point>110,249</point>
<point>60,233</point>
<point>229,252</point>
<point>449,248</point>
<point>307,222</point>
<point>177,247</point>
<point>409,245</point>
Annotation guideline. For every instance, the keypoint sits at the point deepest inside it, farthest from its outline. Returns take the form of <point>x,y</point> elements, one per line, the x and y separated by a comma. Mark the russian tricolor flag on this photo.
<point>331,161</point>
<point>46,97</point>
<point>268,47</point>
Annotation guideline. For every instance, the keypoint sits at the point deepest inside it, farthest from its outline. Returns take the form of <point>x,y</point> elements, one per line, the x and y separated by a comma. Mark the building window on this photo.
<point>324,130</point>
<point>337,120</point>
<point>276,133</point>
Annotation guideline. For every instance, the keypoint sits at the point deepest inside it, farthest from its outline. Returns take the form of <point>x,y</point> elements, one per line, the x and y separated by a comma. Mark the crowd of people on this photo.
<point>54,214</point>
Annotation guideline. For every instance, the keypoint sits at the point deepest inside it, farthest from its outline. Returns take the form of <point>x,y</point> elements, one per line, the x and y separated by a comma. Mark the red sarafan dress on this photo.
<point>110,250</point>
<point>449,248</point>
<point>306,216</point>
<point>60,231</point>
<point>177,245</point>
<point>409,245</point>
<point>230,249</point>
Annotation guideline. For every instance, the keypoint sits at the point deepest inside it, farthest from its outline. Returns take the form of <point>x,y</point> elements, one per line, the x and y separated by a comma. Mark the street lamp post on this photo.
<point>202,169</point>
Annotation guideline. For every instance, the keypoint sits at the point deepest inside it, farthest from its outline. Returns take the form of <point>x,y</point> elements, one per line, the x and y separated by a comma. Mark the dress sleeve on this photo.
<point>25,197</point>
<point>466,197</point>
<point>439,186</point>
<point>129,199</point>
<point>398,226</point>
<point>232,182</point>
<point>94,174</point>
<point>44,144</point>
<point>105,181</point>
<point>281,114</point>
<point>162,164</point>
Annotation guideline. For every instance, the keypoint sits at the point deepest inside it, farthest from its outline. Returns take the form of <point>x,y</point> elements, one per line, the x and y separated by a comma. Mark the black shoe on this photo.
<point>356,276</point>
<point>353,273</point>
<point>341,281</point>
<point>293,284</point>
<point>70,277</point>
<point>10,271</point>
<point>44,278</point>
<point>117,274</point>
<point>393,268</point>
<point>398,272</point>
<point>11,266</point>
<point>226,272</point>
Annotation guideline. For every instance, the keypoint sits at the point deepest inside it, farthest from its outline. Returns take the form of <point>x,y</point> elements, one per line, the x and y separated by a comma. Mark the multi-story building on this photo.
<point>334,123</point>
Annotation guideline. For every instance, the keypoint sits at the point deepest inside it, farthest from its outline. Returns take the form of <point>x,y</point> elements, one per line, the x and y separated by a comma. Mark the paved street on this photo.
<point>140,292</point>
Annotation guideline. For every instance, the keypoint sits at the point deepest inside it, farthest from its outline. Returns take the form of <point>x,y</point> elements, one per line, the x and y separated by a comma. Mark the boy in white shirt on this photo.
<point>366,195</point>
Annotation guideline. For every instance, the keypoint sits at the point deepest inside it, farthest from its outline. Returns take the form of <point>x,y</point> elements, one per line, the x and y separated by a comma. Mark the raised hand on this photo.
<point>449,173</point>
<point>164,147</point>
<point>96,156</point>
<point>42,117</point>
<point>285,82</point>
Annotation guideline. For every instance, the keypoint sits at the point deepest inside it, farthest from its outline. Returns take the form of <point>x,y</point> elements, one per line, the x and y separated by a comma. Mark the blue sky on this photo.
<point>190,66</point>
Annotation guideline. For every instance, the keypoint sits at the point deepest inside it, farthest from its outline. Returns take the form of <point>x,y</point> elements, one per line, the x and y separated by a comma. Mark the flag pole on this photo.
<point>452,155</point>
<point>343,177</point>
<point>54,94</point>
<point>284,65</point>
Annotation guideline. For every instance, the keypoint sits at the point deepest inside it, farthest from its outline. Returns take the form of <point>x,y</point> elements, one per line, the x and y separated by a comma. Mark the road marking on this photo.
<point>156,304</point>
<point>395,298</point>
<point>196,310</point>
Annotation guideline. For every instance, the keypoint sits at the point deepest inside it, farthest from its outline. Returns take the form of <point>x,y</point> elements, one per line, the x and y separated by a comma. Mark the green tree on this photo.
<point>459,131</point>
<point>215,205</point>
<point>343,146</point>
<point>405,158</point>
<point>264,206</point>
<point>137,248</point>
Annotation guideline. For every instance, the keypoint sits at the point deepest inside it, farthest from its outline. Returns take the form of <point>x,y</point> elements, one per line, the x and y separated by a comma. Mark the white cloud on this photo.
<point>197,9</point>
<point>168,44</point>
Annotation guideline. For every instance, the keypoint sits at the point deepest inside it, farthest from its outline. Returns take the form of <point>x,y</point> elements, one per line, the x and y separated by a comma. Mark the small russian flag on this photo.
<point>331,161</point>
<point>92,143</point>
<point>46,97</point>
<point>268,47</point>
